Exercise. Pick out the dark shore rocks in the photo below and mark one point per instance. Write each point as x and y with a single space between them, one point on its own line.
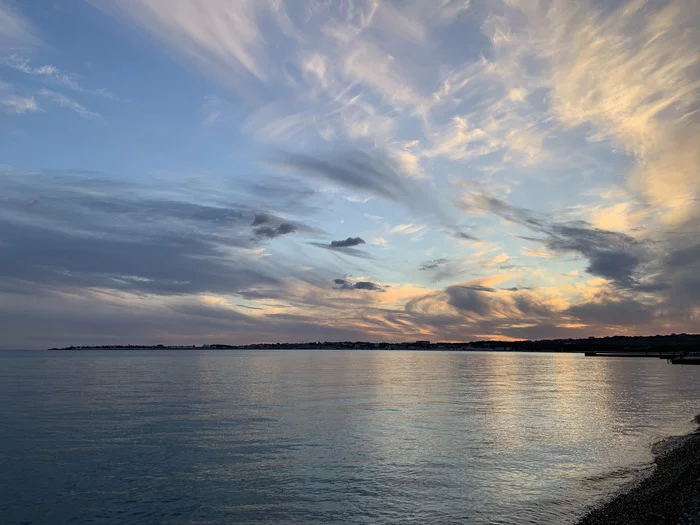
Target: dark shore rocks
671 495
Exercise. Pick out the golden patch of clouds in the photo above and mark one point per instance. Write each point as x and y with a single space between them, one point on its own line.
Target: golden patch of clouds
498 337
490 280
212 300
629 75
544 254
398 295
620 217
499 259
588 290
407 160
408 229
633 73
517 94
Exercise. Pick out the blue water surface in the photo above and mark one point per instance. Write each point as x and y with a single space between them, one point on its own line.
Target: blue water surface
220 437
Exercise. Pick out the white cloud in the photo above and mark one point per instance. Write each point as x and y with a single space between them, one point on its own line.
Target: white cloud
68 103
630 75
15 30
220 36
11 102
408 229
499 259
19 104
53 74
378 241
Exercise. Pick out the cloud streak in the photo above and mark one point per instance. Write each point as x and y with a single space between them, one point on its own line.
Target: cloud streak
344 284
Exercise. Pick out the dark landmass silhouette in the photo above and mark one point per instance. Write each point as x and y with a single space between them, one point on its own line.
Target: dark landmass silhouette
637 345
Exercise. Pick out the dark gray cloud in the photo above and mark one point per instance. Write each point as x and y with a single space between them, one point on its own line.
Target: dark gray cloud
471 299
612 255
266 226
346 246
676 273
346 243
344 284
283 194
433 264
683 256
612 312
465 236
90 230
270 232
442 268
531 308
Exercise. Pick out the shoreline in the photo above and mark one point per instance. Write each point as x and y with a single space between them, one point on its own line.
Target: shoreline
669 495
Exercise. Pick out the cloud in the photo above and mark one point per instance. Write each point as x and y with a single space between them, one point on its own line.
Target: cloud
627 75
344 284
266 226
612 312
350 241
15 30
433 264
472 299
498 259
476 310
68 103
11 102
345 246
541 101
17 104
543 254
408 229
441 269
465 236
369 173
53 74
270 232
221 38
131 242
612 255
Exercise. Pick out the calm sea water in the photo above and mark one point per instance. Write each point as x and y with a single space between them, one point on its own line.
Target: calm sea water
326 436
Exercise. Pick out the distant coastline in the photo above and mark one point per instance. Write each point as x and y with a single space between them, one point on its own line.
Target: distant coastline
623 344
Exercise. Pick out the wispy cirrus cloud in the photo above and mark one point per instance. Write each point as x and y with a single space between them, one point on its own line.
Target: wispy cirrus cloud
584 115
15 30
370 173
12 102
612 255
222 38
63 101
52 74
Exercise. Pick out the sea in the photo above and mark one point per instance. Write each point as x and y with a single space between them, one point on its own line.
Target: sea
328 436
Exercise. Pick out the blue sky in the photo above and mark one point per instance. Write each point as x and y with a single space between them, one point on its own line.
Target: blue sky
187 171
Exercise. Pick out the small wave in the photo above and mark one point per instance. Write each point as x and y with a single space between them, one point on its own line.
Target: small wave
667 445
616 474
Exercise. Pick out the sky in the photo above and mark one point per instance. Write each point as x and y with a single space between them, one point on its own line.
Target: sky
237 171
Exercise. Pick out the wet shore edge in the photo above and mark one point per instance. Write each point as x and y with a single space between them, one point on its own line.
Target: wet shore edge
670 495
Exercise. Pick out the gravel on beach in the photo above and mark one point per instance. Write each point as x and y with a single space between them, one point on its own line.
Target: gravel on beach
670 495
